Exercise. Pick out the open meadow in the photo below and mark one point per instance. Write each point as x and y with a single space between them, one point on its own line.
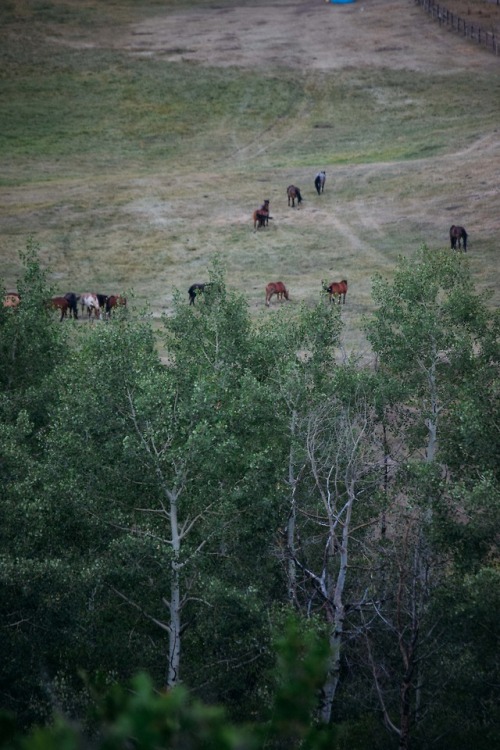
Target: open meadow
138 136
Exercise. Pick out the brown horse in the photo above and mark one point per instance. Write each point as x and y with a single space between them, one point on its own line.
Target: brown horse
60 303
114 300
293 194
336 288
457 236
261 216
277 288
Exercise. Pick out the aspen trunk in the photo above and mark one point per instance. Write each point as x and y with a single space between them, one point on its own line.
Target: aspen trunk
174 631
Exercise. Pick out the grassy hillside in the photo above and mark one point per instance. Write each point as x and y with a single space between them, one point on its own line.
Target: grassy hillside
133 152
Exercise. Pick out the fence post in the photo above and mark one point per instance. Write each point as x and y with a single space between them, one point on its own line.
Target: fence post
443 15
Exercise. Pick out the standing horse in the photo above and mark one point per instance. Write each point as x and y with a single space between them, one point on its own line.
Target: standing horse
113 301
196 289
336 288
261 216
91 302
277 288
319 182
457 236
60 303
72 304
292 194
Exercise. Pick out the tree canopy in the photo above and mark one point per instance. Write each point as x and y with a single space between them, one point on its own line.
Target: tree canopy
170 519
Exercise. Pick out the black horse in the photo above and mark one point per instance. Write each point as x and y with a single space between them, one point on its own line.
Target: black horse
72 299
293 194
196 289
319 182
458 235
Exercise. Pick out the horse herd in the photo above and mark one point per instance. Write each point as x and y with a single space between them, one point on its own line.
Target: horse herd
335 289
261 215
278 288
97 305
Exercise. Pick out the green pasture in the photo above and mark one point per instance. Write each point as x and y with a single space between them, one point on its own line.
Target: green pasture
131 172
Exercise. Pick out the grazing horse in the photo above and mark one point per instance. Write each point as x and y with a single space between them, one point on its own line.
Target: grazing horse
293 193
59 303
277 288
102 299
457 235
319 182
261 216
196 289
336 288
11 299
91 302
72 304
113 301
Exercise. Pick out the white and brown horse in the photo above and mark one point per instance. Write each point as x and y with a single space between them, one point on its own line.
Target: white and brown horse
91 302
11 299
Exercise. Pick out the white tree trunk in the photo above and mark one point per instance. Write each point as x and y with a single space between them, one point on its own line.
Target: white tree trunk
338 612
174 629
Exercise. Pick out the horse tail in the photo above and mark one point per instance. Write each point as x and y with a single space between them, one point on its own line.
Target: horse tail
299 195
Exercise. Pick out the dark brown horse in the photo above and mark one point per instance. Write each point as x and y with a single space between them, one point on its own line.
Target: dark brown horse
261 216
336 289
277 288
293 194
458 235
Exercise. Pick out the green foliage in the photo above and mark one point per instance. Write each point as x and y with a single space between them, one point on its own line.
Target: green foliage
426 332
137 714
425 310
30 346
243 424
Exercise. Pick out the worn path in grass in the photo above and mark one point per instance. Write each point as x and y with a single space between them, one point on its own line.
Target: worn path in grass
95 232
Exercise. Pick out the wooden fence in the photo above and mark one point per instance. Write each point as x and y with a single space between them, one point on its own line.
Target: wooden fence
444 16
